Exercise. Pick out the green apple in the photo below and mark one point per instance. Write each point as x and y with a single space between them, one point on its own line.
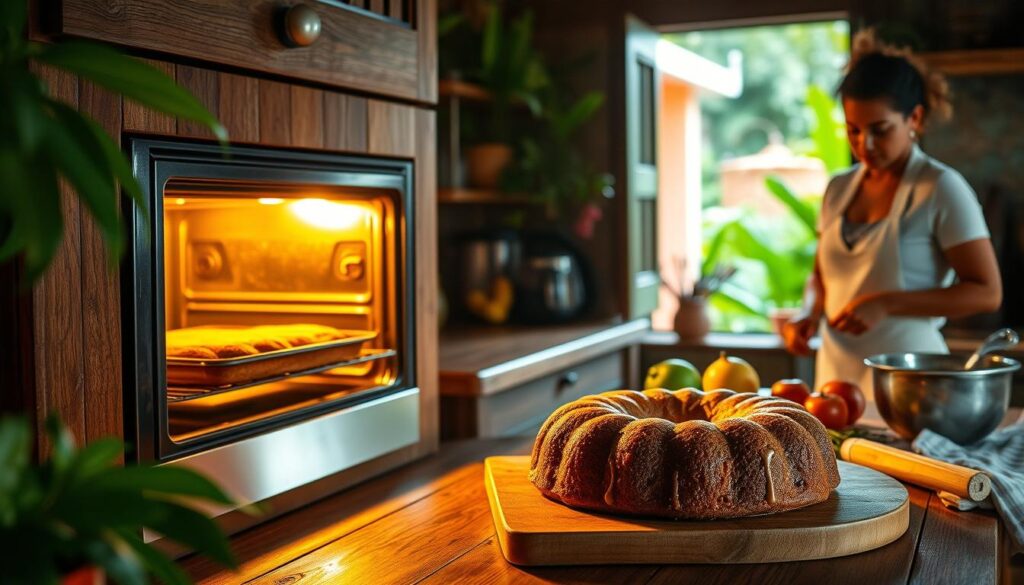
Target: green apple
672 374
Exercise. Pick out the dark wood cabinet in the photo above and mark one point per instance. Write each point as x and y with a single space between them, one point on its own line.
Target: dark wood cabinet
387 48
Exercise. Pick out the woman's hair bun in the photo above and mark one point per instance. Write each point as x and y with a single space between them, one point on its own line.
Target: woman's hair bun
935 89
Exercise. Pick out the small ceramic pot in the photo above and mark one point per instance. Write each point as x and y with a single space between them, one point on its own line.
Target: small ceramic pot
486 162
692 321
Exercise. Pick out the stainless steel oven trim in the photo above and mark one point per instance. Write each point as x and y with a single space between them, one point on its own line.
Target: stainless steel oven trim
155 161
257 468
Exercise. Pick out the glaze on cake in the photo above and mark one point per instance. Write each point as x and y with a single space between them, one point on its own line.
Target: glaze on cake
684 454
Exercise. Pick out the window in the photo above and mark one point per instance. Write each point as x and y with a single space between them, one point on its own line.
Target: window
729 139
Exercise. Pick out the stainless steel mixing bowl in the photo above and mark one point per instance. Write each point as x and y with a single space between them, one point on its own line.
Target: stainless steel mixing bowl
916 391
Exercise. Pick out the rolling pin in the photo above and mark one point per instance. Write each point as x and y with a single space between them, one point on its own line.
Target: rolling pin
918 469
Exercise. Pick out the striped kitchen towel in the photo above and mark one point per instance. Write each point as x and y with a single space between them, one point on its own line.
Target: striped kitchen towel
1001 455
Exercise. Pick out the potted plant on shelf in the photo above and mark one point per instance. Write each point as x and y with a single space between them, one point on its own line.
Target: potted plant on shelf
78 514
512 73
43 140
551 168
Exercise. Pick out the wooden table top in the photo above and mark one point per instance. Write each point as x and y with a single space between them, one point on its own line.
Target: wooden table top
430 522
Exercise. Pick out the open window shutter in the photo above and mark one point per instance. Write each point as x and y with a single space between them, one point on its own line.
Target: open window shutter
642 88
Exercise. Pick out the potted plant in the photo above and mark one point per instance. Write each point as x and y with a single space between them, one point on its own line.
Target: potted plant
512 73
43 140
551 168
79 513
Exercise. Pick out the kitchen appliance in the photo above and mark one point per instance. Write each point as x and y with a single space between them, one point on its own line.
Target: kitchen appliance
554 283
486 255
916 391
296 270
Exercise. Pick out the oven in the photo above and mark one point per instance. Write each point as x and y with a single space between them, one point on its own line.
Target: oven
268 315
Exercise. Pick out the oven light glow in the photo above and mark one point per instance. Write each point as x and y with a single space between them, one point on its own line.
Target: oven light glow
325 214
271 200
180 201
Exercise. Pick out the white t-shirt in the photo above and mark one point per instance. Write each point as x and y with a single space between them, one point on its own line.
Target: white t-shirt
942 211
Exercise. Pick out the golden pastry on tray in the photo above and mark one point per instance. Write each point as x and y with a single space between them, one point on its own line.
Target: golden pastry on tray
214 342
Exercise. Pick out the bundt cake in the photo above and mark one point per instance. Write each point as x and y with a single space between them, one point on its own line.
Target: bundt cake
684 454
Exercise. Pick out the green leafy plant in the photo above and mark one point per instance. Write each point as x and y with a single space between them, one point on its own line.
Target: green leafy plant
510 69
80 507
774 258
550 167
43 140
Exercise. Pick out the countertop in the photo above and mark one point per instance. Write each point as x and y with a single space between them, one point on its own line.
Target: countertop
430 522
485 360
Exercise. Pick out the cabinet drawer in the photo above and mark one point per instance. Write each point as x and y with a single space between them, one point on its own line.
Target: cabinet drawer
526 406
390 53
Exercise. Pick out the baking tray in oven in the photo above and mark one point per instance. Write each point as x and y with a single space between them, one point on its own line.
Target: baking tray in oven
270 364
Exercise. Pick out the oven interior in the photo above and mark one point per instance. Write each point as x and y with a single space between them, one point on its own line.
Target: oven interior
278 293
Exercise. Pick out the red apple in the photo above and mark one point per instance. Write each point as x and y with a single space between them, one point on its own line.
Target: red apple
791 389
829 409
851 395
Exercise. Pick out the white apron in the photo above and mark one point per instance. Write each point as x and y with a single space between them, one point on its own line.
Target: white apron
872 265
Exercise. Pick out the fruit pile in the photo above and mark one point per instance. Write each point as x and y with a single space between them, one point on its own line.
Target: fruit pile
837 405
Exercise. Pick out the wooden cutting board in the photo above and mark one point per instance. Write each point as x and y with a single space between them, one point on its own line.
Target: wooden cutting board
868 510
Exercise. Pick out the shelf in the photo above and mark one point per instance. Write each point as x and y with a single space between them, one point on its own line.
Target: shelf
186 393
976 61
463 90
481 197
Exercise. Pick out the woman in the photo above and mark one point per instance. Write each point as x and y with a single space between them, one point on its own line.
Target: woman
894 231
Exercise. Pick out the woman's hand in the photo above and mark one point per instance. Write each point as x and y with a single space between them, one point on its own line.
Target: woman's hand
862 313
797 332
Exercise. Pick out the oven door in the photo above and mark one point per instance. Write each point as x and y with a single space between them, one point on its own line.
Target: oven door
267 313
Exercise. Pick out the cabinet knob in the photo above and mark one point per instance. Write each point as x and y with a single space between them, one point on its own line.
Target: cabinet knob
568 379
301 25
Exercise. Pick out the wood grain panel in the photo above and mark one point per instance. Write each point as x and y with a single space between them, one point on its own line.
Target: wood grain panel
140 119
354 50
457 516
396 9
205 85
275 113
344 122
484 565
101 312
239 106
980 549
392 129
426 26
307 117
57 302
426 278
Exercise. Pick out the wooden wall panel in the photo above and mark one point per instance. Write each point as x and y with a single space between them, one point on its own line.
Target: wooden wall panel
307 117
344 122
392 129
275 113
427 277
57 305
239 106
139 119
356 51
101 313
205 85
426 26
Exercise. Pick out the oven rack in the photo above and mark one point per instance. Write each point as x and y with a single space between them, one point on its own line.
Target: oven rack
185 393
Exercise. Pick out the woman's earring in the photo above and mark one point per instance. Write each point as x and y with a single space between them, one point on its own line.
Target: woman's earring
913 135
